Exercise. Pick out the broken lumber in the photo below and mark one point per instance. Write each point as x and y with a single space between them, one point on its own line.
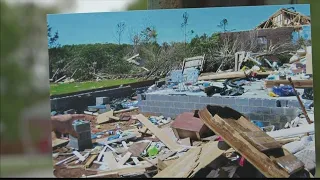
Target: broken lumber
158 133
231 135
305 83
183 167
106 142
292 132
58 142
125 158
110 160
105 117
126 110
90 161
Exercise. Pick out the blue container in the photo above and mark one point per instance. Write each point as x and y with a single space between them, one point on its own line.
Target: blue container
283 90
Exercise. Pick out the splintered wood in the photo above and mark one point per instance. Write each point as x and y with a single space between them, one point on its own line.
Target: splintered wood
193 161
158 133
239 134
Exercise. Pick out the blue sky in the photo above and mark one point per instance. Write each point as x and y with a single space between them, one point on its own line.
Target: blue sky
90 28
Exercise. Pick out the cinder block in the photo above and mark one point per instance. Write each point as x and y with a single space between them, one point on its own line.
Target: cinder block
199 106
237 108
174 111
154 109
276 125
228 101
255 102
102 100
82 127
257 117
178 105
205 100
242 101
142 103
284 119
293 103
263 110
146 109
277 111
151 103
269 103
271 118
291 111
216 100
174 98
194 99
184 99
168 104
164 110
148 97
189 106
160 103
139 97
249 109
284 103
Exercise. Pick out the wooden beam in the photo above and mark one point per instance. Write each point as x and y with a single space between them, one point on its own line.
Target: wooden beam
90 161
308 83
158 133
231 136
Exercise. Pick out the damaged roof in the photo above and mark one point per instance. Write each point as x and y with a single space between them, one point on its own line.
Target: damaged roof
285 18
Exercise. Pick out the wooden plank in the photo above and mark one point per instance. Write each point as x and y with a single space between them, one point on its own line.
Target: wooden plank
105 117
261 140
183 166
110 160
137 148
290 163
158 133
58 142
185 141
306 83
125 158
161 165
224 75
210 152
126 110
90 161
233 138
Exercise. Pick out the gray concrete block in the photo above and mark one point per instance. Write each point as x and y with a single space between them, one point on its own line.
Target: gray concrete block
174 98
228 101
205 100
154 109
198 106
179 105
174 111
242 101
277 111
194 99
189 106
255 102
263 110
142 103
293 103
184 99
256 117
284 119
271 118
102 100
168 104
146 109
82 127
139 97
291 111
164 110
269 103
216 100
284 103
160 104
249 109
151 103
237 108
148 97
155 97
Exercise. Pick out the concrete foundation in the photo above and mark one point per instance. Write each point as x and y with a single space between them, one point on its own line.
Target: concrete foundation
260 109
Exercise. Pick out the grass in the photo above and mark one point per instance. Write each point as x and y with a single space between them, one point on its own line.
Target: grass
56 89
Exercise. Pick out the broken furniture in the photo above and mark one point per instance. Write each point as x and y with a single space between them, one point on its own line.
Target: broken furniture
186 125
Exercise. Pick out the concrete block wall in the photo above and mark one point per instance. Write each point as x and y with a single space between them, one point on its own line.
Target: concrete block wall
259 109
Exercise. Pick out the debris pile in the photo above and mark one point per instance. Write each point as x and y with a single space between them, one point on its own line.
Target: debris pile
213 142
